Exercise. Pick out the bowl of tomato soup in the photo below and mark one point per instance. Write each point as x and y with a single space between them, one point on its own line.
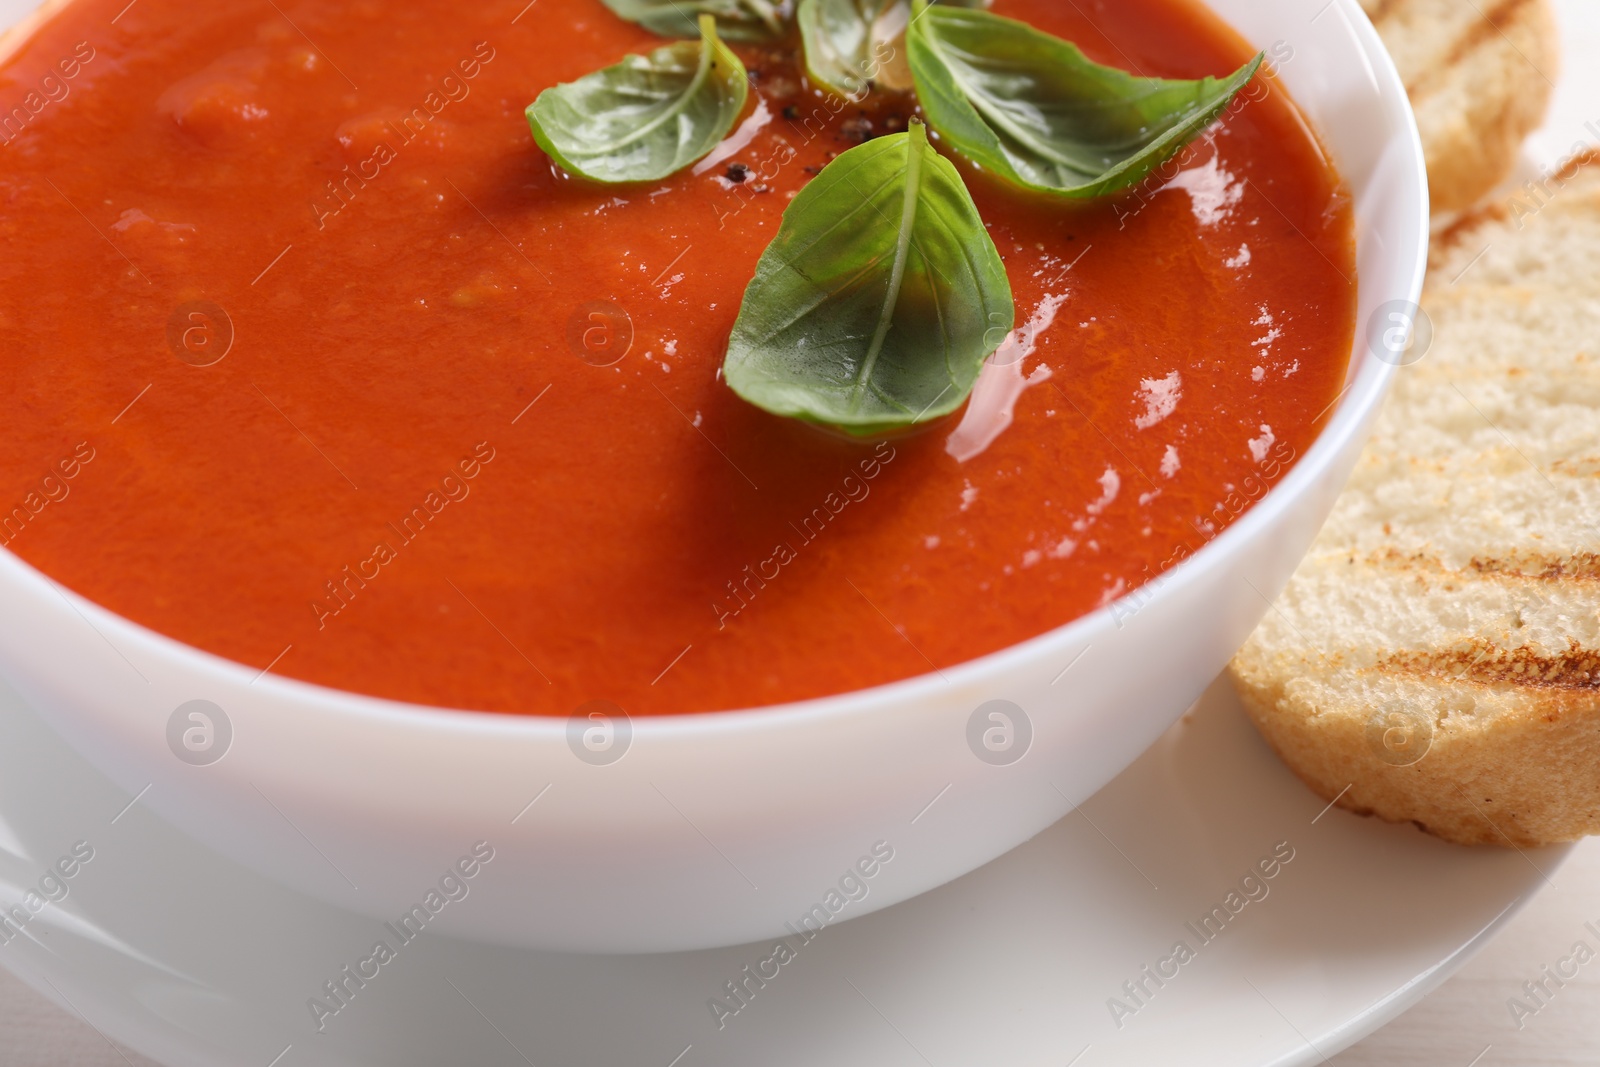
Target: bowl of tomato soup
379 505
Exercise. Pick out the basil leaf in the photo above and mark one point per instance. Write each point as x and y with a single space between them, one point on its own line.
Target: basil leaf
1033 109
737 20
645 117
850 44
878 300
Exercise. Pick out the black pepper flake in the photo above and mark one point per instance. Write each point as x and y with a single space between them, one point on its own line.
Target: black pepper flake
812 170
791 112
737 172
858 130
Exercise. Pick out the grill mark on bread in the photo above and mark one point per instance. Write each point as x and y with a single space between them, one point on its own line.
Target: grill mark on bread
1483 663
1382 10
1579 566
1571 167
1577 466
1499 211
1526 566
1568 467
1492 23
1489 25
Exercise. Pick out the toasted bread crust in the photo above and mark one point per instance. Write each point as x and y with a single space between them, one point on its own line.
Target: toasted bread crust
1436 658
1525 782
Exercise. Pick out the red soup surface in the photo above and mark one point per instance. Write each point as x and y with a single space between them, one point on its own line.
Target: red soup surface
313 360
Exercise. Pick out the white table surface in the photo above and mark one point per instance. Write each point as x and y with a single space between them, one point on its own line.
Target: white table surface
1467 1022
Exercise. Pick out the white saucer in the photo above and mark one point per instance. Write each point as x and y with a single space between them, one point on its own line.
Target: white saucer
192 960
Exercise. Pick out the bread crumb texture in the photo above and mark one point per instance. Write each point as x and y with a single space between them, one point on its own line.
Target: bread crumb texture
1436 658
1480 75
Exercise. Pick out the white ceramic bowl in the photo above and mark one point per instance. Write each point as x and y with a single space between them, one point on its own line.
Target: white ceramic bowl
718 829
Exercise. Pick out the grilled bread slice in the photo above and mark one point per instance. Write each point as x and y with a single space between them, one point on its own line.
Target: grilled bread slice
1480 74
1436 658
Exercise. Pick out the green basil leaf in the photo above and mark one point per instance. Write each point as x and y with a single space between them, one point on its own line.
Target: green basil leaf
877 302
1033 109
851 43
737 20
848 43
645 117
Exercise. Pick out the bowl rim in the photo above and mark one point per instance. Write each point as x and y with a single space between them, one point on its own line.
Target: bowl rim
1367 382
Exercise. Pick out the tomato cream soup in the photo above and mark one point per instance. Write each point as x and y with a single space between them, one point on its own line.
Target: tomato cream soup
313 360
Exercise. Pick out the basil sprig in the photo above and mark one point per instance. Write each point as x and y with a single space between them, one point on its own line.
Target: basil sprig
877 302
1031 108
853 44
737 20
645 117
882 293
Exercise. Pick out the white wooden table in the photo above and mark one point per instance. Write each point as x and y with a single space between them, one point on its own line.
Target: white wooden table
1469 1016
